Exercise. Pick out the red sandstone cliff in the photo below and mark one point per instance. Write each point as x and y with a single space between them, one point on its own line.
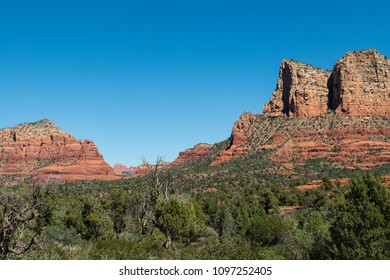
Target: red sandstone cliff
43 150
341 115
353 142
199 151
361 84
301 90
240 133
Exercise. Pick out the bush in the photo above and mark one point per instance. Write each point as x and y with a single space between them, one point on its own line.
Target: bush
267 230
59 234
360 225
180 220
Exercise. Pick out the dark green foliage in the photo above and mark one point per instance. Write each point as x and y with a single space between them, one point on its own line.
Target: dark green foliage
131 250
218 207
119 206
267 230
314 199
96 221
85 216
119 250
268 201
62 235
315 230
236 210
235 248
180 220
360 227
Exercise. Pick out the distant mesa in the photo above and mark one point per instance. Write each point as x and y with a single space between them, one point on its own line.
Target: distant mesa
42 150
122 170
141 170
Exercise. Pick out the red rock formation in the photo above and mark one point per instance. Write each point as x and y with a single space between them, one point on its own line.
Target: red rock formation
358 86
240 133
143 169
199 151
148 168
301 90
341 182
361 84
121 170
343 116
42 149
354 142
191 155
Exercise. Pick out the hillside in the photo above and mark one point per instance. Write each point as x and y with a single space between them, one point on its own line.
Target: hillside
341 115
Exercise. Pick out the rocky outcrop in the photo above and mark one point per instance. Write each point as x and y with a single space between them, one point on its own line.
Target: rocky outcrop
301 90
352 142
198 152
122 170
361 84
240 133
340 116
43 150
147 168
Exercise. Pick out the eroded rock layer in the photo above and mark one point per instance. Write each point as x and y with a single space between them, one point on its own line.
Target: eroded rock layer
301 90
44 151
352 142
199 151
242 130
359 85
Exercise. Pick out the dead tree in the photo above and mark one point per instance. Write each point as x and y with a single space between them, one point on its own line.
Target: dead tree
22 216
161 180
159 189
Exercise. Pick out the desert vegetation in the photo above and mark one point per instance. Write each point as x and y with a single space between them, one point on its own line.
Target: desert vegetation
232 211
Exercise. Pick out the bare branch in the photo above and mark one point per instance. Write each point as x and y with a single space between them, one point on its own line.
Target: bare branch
19 226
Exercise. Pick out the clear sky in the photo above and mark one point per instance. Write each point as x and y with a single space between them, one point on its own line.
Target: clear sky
147 78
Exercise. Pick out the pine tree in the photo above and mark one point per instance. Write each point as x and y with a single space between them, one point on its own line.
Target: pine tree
360 227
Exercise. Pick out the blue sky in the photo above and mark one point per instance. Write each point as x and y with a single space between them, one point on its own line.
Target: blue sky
149 78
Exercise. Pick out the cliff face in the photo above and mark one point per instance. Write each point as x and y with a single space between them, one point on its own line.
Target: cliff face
301 90
352 142
240 133
43 150
361 84
341 115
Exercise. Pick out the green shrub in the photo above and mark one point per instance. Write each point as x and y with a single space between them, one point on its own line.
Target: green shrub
180 220
266 230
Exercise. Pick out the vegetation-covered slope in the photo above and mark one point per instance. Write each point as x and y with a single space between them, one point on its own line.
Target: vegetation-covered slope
235 210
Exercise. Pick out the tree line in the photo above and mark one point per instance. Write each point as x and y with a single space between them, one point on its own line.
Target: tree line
160 221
